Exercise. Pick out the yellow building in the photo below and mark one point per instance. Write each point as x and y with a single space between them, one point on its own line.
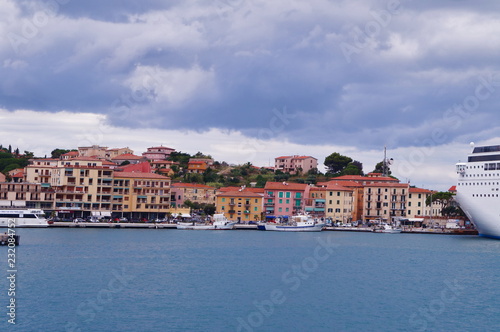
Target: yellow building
382 201
417 207
241 206
339 203
31 195
145 195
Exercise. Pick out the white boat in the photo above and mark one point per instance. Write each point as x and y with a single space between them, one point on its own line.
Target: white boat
478 189
386 228
22 217
219 222
298 223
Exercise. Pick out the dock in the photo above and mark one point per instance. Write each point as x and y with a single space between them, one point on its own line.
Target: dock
252 227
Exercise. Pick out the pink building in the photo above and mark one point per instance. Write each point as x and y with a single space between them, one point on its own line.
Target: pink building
292 164
285 199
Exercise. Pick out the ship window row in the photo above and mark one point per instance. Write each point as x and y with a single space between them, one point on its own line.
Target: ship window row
479 184
479 175
484 195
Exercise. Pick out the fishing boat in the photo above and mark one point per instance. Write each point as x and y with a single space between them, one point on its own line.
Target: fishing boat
220 222
22 217
386 228
298 223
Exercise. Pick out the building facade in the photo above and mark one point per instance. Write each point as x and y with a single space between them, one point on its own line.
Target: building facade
241 206
285 199
295 164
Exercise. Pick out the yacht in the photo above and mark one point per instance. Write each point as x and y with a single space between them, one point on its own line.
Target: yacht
478 189
299 223
22 217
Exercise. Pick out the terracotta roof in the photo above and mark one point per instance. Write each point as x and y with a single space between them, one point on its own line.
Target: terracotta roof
143 167
247 189
453 188
191 185
382 184
337 187
140 175
71 153
364 178
240 194
18 175
285 186
420 190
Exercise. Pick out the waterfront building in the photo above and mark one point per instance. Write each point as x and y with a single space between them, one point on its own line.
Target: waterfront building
382 201
157 153
285 199
30 195
295 164
241 206
339 202
140 195
417 206
40 170
194 192
315 202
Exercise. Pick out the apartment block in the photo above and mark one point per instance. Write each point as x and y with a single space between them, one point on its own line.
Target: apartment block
339 203
294 164
285 199
241 206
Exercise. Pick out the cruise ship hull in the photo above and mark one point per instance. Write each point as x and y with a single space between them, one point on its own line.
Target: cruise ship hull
484 215
478 189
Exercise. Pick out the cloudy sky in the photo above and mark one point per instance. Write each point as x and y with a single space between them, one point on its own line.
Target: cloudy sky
248 80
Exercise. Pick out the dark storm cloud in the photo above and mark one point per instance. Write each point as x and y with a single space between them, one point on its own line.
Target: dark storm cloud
359 72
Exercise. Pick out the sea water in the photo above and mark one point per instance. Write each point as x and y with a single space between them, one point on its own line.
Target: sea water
173 280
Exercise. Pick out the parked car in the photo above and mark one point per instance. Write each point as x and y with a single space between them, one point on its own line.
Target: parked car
78 220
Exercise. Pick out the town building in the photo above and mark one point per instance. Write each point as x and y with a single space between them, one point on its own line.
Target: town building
285 199
240 206
383 201
140 195
315 202
157 153
295 164
193 192
131 158
339 203
30 195
197 167
102 152
417 207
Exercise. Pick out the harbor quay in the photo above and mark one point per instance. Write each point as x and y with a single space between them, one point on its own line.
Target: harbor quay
252 227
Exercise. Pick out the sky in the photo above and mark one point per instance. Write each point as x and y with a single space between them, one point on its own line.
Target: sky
251 80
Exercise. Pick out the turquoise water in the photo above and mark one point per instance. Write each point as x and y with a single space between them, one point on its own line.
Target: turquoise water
171 280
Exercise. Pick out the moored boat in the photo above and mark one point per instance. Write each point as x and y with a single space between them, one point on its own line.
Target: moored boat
22 217
220 222
298 223
386 228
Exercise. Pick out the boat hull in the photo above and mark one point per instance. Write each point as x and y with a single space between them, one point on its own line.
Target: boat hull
485 215
23 222
291 228
207 227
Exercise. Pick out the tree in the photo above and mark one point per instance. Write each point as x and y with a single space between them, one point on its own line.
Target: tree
336 162
352 169
443 198
379 168
209 209
56 153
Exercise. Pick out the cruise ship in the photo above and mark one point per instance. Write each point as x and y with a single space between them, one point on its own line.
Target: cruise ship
478 189
22 218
